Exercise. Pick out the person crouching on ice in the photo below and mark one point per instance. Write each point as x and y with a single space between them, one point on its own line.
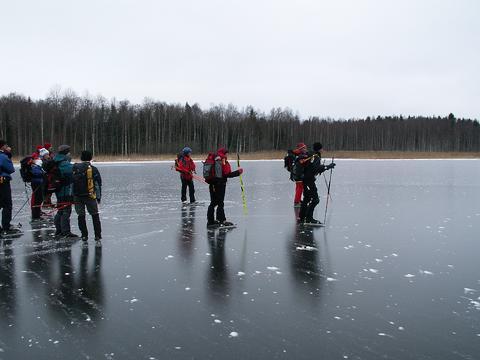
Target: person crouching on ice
217 186
313 166
186 167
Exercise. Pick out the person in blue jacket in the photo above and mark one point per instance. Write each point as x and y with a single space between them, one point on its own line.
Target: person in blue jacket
38 175
6 171
64 193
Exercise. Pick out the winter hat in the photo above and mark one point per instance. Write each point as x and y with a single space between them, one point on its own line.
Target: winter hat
301 146
86 155
186 150
64 149
43 152
317 146
38 162
222 151
47 146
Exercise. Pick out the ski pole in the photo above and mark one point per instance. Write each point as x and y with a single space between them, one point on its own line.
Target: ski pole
196 177
26 201
244 200
328 193
326 184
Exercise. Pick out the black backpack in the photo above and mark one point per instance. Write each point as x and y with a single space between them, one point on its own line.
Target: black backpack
79 180
288 161
26 169
298 170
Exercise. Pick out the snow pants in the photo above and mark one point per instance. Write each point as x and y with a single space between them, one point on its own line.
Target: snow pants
298 192
6 202
310 200
82 202
191 190
217 196
37 199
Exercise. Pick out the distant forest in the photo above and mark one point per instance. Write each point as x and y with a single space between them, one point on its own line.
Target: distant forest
122 128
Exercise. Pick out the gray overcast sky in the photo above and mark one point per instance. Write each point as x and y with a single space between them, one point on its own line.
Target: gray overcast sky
337 58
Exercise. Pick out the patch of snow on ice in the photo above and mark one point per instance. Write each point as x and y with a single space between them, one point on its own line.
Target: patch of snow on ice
394 254
379 260
217 321
307 248
273 268
233 334
331 279
468 290
409 275
133 300
426 272
240 273
187 289
375 271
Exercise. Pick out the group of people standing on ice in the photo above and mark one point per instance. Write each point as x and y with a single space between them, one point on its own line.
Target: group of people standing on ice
49 173
304 167
216 171
80 185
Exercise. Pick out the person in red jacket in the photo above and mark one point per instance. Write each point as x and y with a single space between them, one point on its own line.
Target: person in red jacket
300 149
217 186
186 167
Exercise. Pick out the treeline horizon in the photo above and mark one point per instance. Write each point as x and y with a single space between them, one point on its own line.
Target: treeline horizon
120 128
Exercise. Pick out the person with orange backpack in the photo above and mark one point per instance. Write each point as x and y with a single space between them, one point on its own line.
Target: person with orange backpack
186 167
216 171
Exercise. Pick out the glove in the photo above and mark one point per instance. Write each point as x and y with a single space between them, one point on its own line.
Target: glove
330 166
240 171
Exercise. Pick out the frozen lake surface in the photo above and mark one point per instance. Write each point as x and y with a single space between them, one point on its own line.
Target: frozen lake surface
394 275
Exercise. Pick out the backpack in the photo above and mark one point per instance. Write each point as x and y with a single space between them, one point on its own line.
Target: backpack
26 169
80 180
209 167
54 177
298 170
179 161
288 162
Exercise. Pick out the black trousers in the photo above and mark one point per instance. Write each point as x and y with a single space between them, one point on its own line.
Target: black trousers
37 199
6 203
191 190
310 200
82 202
217 196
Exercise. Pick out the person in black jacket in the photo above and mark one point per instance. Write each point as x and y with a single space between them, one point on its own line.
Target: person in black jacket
87 191
217 187
312 166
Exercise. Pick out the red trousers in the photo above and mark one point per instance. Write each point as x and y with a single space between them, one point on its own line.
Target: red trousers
298 192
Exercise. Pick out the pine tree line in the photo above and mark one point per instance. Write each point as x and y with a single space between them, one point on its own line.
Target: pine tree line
122 128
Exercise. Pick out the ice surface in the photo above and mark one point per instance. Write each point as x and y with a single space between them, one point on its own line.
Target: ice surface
163 287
